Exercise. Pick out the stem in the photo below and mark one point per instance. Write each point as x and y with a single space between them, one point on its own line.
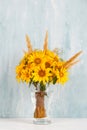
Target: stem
40 111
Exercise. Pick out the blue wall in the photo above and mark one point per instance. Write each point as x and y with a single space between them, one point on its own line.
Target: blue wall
66 22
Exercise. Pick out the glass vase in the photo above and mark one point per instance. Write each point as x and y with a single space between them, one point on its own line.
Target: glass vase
41 103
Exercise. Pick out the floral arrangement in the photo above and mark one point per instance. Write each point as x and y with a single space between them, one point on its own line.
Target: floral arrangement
42 67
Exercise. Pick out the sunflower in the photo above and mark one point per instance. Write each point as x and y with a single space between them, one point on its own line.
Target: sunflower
58 65
51 55
41 74
23 72
47 62
26 75
36 58
63 76
25 59
19 69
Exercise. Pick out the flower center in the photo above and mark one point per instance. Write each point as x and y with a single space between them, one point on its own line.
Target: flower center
55 58
47 64
37 60
42 73
27 75
56 67
61 74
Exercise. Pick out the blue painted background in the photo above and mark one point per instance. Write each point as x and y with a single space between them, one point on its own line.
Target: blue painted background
66 22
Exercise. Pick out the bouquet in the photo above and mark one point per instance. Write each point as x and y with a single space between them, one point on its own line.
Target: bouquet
43 67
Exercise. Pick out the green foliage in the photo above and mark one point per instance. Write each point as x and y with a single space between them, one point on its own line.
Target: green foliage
42 86
54 79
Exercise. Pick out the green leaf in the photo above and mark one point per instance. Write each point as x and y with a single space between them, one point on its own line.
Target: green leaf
42 86
30 83
54 80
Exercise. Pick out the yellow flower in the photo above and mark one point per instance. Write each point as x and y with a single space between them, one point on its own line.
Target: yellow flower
58 65
36 58
18 72
25 59
50 58
41 74
23 72
26 76
63 76
47 62
51 55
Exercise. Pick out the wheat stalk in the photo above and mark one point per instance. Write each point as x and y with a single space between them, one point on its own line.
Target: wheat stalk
45 47
29 46
71 62
70 65
24 51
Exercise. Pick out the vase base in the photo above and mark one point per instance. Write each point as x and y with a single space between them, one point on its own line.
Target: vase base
41 121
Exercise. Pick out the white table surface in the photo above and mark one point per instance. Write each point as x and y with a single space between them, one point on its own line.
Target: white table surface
57 124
